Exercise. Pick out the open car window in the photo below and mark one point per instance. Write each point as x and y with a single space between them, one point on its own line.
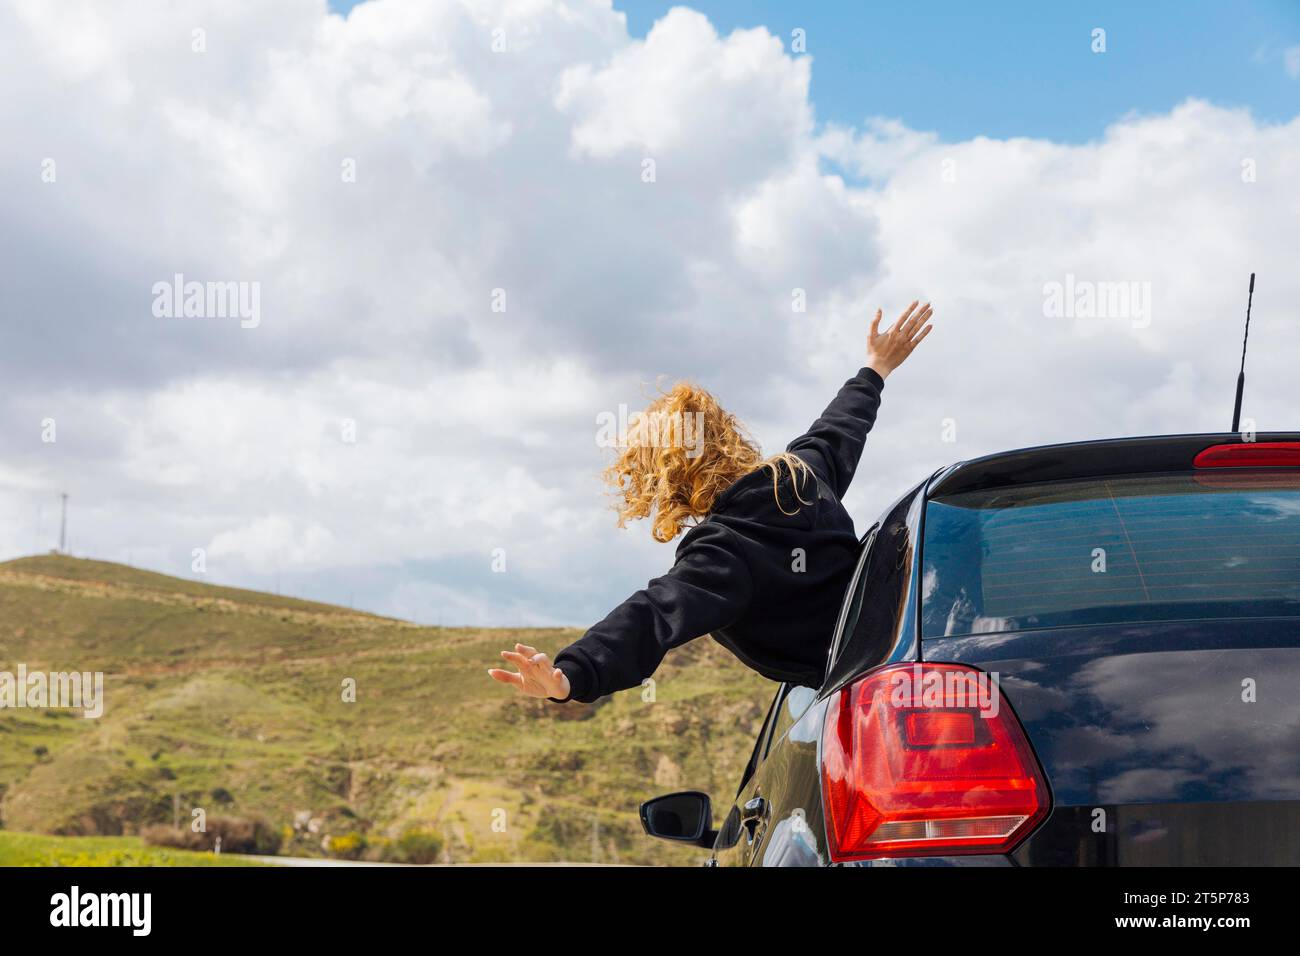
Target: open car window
761 742
792 705
853 598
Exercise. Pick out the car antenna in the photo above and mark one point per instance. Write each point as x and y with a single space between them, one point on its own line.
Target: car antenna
1241 376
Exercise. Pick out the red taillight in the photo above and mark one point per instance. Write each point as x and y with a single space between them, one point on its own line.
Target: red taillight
937 728
1264 454
927 760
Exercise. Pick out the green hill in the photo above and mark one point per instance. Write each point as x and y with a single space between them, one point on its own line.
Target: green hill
232 701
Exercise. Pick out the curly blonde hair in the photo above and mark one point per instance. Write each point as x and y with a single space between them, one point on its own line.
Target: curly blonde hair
680 454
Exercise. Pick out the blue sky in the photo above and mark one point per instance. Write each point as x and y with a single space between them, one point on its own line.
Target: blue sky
1027 69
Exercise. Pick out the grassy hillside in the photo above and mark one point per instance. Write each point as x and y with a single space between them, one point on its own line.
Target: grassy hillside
26 849
232 701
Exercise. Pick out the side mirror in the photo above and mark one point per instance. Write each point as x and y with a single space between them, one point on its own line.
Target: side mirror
686 817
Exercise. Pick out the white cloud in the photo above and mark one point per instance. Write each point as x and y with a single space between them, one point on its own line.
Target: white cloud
267 543
670 97
521 170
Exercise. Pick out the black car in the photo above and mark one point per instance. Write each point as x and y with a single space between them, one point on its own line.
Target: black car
1074 655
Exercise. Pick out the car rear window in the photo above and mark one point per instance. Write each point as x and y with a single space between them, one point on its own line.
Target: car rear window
1143 548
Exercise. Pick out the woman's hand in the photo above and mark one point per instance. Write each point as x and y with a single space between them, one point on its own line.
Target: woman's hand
537 676
888 350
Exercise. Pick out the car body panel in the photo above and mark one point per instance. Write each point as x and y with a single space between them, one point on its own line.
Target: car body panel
1164 744
1088 459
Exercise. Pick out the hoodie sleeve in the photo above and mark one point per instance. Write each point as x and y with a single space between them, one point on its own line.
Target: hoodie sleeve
707 588
833 445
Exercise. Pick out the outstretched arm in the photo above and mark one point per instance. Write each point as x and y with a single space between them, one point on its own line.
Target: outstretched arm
833 445
707 588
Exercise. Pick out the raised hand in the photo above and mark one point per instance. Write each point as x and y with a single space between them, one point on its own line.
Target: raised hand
537 676
888 350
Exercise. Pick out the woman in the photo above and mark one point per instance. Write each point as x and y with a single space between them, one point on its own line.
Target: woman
766 564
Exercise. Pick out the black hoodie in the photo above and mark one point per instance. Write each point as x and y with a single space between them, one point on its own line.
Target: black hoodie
767 585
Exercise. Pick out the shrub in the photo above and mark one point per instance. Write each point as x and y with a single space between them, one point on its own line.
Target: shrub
414 846
349 846
238 835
